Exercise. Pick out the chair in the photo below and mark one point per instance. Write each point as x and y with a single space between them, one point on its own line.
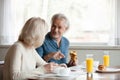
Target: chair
1 71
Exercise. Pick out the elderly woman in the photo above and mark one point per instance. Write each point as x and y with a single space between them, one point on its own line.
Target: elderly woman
55 46
22 61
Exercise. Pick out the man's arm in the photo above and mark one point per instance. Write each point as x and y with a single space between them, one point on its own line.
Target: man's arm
40 51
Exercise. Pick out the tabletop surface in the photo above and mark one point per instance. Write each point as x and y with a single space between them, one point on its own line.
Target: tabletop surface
96 76
82 75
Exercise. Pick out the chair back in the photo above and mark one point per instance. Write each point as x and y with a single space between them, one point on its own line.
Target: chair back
1 71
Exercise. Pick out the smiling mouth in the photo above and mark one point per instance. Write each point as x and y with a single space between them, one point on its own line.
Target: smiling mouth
55 33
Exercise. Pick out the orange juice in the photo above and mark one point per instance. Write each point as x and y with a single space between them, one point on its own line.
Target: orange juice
106 60
89 65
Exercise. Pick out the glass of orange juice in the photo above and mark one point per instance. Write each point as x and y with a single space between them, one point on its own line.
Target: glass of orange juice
89 63
106 59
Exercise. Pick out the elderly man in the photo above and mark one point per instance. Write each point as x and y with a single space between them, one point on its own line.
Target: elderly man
55 46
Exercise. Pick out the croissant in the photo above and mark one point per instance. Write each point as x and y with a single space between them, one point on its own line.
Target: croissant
73 60
101 67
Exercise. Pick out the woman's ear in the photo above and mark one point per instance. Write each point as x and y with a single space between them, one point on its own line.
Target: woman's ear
67 28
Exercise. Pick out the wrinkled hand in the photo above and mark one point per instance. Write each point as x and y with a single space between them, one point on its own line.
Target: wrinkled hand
58 55
54 55
50 67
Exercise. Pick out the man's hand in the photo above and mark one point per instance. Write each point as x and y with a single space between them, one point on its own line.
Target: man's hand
54 55
58 55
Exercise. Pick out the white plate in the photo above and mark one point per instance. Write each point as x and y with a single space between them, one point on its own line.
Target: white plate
109 70
62 75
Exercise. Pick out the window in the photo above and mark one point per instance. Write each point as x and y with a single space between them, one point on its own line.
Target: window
91 21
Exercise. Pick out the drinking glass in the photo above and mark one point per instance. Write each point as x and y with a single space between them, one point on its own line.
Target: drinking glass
89 63
106 58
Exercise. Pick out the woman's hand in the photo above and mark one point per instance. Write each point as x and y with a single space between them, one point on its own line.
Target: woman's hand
63 65
50 67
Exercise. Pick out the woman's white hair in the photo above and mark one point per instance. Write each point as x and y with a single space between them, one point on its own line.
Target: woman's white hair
33 32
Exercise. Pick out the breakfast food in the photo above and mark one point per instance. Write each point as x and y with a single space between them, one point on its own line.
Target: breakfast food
73 60
101 67
73 55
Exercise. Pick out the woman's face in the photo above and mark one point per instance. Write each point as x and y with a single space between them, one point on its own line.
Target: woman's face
58 28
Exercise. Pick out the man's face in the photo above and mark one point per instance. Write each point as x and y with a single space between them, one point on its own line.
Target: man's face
58 28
